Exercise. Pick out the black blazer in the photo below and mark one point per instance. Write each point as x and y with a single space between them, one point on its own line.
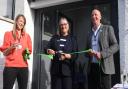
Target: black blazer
59 67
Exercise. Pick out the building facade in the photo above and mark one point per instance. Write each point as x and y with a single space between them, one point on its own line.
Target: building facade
42 20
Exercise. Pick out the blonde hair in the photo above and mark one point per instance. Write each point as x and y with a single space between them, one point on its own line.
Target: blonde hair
15 25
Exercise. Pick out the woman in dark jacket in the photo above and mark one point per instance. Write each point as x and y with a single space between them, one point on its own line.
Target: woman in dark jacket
61 46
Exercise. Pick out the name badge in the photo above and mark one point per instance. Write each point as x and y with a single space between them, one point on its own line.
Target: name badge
19 46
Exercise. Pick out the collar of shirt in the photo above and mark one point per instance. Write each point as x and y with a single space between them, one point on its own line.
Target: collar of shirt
95 31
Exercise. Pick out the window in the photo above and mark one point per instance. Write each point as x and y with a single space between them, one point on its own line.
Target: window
7 8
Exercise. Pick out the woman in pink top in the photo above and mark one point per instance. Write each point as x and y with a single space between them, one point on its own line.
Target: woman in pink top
16 44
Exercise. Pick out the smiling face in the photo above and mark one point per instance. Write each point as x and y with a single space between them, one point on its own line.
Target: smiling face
64 26
96 17
20 22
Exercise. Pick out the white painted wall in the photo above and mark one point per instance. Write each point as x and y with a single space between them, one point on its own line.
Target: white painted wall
3 4
29 14
19 7
5 25
123 37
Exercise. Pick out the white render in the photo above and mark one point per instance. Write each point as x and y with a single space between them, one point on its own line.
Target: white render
29 14
5 25
123 38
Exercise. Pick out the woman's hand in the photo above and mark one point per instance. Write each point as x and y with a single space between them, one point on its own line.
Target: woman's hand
15 45
65 56
68 56
50 51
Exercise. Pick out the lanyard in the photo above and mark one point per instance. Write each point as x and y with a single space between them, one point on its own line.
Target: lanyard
95 35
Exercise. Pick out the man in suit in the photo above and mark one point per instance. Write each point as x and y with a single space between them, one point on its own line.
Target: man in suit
102 41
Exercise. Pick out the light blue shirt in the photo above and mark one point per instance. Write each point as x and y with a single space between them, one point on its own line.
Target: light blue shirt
95 43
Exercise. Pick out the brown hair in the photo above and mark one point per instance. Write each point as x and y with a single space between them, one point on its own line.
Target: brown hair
63 18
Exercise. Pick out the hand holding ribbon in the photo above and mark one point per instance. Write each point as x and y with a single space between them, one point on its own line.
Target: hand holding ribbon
67 55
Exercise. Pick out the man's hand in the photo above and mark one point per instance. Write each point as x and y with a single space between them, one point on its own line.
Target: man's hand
95 53
98 55
91 52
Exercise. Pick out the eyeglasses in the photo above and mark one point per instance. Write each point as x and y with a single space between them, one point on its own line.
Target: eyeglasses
63 24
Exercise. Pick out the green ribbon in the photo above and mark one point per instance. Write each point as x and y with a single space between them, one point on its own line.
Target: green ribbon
46 55
85 51
51 56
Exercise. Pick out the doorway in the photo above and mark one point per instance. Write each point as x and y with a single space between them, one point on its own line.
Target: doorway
46 26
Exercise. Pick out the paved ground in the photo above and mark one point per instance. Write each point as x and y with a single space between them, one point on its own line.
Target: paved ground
1 72
1 79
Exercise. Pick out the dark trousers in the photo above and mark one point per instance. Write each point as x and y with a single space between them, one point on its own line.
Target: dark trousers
61 82
97 79
80 81
10 74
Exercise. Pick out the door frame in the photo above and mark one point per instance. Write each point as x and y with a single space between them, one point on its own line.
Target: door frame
38 26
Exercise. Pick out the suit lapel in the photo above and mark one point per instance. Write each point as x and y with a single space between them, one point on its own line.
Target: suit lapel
101 33
100 37
90 37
